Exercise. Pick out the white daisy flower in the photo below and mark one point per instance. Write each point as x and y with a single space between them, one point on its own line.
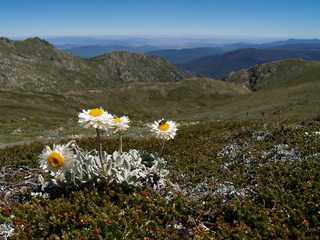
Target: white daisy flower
56 160
164 130
120 124
96 118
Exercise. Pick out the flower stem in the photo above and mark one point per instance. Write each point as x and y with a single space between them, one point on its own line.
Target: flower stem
99 147
120 139
162 147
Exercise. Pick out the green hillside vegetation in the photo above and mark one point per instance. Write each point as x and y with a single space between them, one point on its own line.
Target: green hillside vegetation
143 100
275 74
36 65
157 100
294 102
35 114
295 96
22 104
27 116
286 89
125 67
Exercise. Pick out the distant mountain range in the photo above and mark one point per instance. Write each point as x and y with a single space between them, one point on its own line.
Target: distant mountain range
181 56
96 50
217 60
176 56
192 49
219 65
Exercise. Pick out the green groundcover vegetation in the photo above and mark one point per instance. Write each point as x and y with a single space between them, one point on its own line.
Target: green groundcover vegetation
228 180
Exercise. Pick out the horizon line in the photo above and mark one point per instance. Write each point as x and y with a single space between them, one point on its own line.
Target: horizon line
190 36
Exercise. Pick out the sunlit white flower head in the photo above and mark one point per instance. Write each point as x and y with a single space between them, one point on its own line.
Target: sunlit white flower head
56 160
120 124
164 130
96 118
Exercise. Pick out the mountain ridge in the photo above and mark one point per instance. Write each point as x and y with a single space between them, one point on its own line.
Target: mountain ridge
96 50
276 74
36 64
122 64
218 66
175 54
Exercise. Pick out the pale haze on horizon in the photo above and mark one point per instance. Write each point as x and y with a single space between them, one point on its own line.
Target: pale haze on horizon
273 19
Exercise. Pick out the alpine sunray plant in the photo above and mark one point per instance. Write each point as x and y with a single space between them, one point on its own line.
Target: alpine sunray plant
98 119
72 168
164 130
57 160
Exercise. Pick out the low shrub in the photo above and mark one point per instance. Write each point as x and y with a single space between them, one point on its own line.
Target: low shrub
227 180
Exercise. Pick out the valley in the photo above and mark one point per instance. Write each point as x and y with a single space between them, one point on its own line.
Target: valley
43 89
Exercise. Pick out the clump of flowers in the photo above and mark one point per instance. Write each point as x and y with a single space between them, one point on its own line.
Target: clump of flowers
72 167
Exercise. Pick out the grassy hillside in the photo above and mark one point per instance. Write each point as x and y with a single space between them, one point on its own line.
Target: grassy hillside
275 74
156 100
38 114
36 65
286 89
29 115
126 67
137 100
294 102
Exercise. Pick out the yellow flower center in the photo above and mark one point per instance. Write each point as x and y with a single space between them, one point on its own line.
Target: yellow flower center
55 160
96 112
164 126
117 120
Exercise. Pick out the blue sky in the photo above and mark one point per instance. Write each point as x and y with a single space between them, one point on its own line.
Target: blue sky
216 18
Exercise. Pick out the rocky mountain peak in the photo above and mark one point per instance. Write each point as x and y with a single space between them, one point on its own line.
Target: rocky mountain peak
39 42
5 42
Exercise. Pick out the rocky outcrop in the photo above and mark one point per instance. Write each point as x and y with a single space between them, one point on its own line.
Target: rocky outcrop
252 77
274 74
